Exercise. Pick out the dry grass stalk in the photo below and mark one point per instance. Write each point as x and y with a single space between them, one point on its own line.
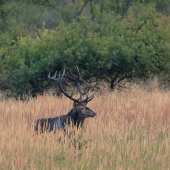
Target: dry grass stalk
131 131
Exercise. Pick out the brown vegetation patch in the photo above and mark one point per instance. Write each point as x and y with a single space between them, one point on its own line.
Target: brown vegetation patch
131 131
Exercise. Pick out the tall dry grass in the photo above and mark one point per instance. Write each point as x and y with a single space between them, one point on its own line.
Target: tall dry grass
131 131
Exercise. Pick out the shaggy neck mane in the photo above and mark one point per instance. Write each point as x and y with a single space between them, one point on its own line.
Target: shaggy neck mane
75 118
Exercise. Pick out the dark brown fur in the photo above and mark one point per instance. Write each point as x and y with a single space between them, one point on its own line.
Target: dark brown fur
76 116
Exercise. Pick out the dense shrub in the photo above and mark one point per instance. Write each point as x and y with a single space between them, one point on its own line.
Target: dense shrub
115 50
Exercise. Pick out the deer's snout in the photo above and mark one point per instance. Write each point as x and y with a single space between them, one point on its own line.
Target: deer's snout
93 114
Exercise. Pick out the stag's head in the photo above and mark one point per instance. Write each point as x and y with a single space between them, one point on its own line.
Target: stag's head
84 112
80 103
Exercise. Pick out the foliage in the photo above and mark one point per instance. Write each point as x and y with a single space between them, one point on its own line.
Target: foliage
110 49
139 48
32 13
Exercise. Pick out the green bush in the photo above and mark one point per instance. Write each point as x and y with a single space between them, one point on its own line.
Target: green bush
115 50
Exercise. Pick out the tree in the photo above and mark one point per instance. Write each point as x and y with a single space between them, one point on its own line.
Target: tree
114 50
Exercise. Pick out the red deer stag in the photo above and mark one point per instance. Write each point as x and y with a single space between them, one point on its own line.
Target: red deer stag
76 115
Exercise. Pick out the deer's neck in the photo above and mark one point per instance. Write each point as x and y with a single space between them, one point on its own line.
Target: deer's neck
73 116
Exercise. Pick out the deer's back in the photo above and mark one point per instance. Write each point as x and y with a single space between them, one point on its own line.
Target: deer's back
50 123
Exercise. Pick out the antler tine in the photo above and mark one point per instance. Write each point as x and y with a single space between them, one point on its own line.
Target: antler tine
90 98
70 75
63 74
78 73
53 76
87 99
75 79
59 75
87 90
77 84
78 77
49 75
58 81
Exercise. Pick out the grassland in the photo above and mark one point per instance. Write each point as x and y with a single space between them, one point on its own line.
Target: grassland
131 131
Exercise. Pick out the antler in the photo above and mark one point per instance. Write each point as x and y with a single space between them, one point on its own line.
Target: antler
58 81
75 79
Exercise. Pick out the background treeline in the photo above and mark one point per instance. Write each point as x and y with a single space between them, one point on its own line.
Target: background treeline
110 41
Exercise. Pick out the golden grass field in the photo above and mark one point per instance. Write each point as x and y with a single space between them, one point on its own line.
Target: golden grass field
131 131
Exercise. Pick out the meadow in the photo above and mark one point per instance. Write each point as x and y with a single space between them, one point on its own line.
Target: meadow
131 131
